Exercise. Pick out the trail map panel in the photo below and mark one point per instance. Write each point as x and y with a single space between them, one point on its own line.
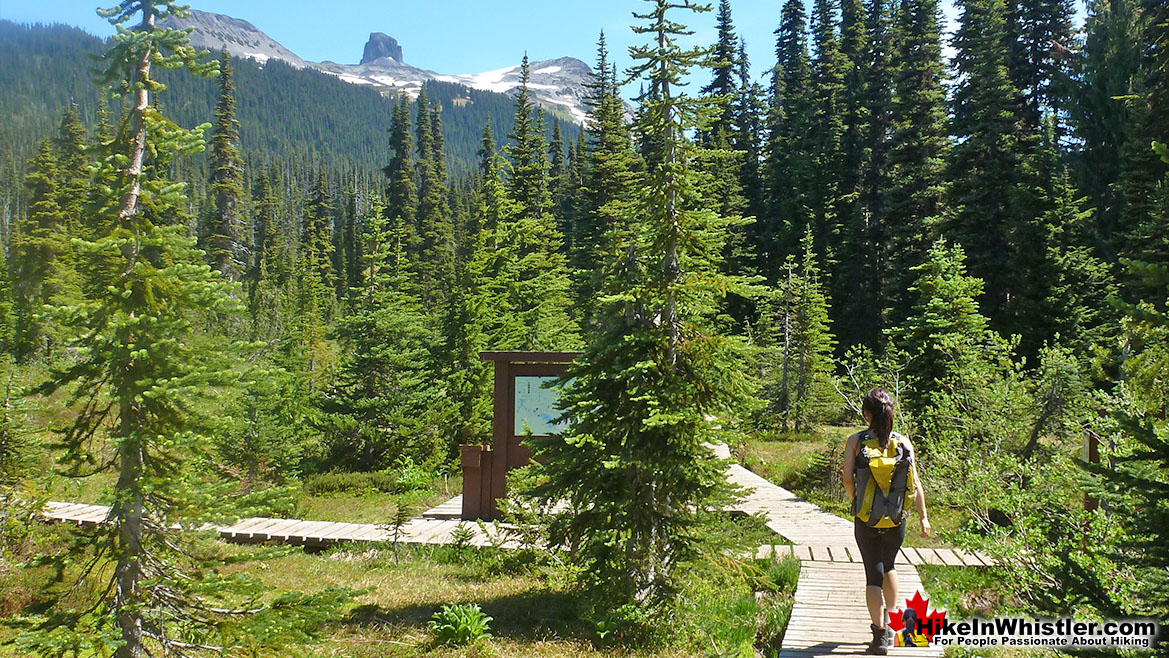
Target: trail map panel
536 406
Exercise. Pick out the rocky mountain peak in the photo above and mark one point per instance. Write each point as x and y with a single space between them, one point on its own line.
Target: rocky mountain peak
241 38
381 45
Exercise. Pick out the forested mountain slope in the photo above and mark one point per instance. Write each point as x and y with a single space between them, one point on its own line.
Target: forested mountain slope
283 111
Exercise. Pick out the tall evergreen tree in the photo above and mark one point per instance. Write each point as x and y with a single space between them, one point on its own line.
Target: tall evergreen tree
42 268
316 266
797 357
826 198
1061 287
387 401
70 148
610 173
855 249
1107 74
401 189
528 183
538 297
639 480
722 85
789 150
1035 31
945 335
227 231
748 113
913 200
433 259
984 161
151 591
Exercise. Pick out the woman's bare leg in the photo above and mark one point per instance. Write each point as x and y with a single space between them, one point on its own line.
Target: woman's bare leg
873 601
890 590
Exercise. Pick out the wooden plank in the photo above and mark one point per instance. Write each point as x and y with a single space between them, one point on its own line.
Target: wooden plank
260 530
820 553
333 531
280 530
244 525
968 559
929 557
948 557
985 559
305 532
909 555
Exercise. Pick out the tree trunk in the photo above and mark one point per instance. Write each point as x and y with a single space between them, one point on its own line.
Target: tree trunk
128 511
128 517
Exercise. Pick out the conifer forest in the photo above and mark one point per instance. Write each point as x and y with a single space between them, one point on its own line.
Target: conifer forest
231 291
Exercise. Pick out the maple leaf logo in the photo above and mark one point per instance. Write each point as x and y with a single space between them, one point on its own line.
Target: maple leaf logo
917 608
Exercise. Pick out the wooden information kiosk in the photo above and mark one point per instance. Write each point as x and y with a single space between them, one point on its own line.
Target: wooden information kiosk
521 403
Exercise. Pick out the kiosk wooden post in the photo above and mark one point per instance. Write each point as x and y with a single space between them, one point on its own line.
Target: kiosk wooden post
485 469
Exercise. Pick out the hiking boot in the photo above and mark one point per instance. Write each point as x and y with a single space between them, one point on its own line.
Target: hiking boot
881 641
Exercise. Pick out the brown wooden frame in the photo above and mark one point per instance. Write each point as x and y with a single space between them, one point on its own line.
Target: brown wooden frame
484 485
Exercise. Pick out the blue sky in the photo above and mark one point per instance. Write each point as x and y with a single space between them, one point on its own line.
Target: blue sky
447 36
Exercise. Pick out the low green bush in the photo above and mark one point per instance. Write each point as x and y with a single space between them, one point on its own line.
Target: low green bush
459 624
358 483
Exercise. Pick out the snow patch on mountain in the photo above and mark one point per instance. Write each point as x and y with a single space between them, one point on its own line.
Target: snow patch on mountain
555 83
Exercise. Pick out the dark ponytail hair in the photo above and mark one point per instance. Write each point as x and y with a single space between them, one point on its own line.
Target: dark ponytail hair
879 404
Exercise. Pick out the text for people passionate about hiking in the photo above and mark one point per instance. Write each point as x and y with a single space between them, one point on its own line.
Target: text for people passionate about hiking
937 628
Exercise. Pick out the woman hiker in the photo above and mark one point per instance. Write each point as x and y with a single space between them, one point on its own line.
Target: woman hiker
879 470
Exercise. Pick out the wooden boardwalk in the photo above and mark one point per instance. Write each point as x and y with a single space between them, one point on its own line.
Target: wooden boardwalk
313 534
948 557
829 617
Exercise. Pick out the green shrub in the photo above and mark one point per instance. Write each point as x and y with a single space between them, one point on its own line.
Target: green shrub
358 483
408 475
459 624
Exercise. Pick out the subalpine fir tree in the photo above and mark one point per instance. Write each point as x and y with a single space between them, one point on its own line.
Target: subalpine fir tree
270 295
349 253
797 358
789 150
913 200
494 266
611 169
319 278
528 183
559 185
433 260
722 85
855 250
227 243
401 189
984 160
150 590
945 334
1107 73
42 264
1062 287
70 147
1036 30
825 196
539 286
467 317
387 401
748 112
655 383
721 162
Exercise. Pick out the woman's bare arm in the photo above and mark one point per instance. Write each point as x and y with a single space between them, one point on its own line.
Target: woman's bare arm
849 468
919 496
